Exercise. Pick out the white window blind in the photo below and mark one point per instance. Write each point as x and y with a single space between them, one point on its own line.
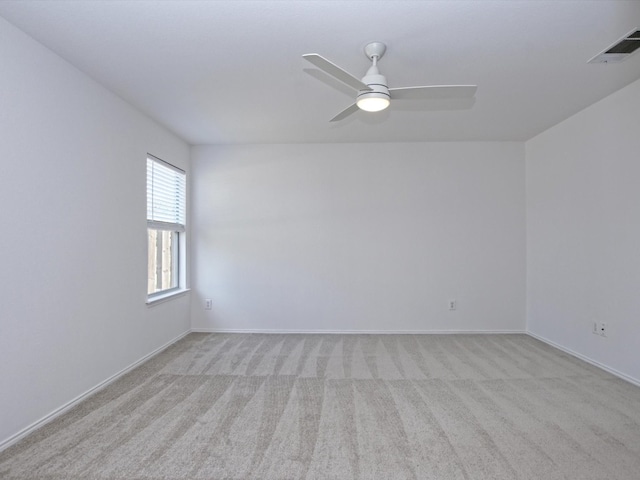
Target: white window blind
166 196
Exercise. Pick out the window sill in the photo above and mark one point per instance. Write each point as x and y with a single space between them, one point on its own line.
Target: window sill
157 299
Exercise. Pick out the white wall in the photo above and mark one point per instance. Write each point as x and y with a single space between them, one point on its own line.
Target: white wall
583 232
73 244
368 237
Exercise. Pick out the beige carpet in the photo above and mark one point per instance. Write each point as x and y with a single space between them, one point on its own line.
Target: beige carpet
243 406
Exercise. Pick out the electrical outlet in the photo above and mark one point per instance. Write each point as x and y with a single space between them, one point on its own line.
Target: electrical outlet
603 329
208 304
453 304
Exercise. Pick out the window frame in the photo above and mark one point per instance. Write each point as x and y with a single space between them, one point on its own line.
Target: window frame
178 254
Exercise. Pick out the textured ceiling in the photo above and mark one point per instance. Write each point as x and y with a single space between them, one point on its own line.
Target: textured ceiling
232 71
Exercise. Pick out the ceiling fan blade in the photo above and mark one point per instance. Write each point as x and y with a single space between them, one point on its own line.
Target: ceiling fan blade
335 71
433 92
345 113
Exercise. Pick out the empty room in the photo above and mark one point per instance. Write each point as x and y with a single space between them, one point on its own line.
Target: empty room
320 239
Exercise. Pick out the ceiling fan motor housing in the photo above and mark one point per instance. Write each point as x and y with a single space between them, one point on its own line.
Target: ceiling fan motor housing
378 98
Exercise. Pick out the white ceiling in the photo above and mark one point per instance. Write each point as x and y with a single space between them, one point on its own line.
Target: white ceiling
232 71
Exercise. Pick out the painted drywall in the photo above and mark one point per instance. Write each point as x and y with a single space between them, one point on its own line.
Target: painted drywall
359 237
73 246
583 232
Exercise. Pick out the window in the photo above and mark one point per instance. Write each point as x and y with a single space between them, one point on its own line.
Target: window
166 219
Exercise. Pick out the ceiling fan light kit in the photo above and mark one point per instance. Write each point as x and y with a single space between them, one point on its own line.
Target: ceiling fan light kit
373 93
372 102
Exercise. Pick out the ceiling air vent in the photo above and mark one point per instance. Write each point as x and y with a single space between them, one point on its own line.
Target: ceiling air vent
620 50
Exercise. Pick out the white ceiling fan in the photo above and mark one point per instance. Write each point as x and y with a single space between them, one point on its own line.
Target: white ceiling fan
373 93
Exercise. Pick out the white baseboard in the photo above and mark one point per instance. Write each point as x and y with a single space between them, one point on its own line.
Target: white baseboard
355 332
67 406
593 362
